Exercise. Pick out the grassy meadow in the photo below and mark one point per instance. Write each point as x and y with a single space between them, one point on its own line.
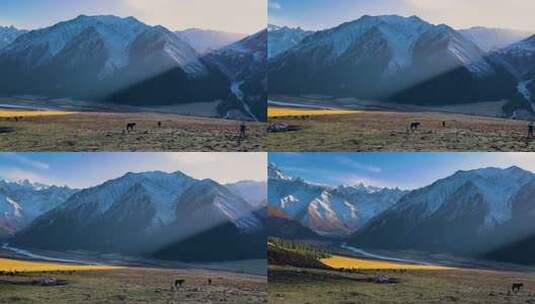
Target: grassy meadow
389 131
299 274
103 284
105 131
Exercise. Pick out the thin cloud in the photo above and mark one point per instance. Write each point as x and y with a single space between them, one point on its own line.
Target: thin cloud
16 174
23 160
274 5
357 165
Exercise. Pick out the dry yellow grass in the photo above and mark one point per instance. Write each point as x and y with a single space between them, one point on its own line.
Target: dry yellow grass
287 112
338 262
29 266
27 113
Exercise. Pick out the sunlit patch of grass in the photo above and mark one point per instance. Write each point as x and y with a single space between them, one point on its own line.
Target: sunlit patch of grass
29 113
338 262
30 266
286 112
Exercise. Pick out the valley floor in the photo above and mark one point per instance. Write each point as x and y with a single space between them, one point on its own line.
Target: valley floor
294 285
384 130
105 131
101 284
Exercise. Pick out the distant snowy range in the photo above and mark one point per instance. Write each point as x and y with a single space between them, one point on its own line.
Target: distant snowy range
124 61
166 216
406 60
483 213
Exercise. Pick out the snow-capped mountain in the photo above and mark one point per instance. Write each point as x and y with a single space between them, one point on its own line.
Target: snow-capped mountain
463 213
518 241
245 63
110 59
327 211
493 39
401 59
204 41
112 39
282 38
214 224
115 43
8 34
140 213
22 202
520 57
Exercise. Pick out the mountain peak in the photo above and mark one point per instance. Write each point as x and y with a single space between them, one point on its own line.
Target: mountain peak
496 172
393 19
275 173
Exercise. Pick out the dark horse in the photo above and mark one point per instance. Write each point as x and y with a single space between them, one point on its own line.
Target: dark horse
178 283
415 126
130 126
517 286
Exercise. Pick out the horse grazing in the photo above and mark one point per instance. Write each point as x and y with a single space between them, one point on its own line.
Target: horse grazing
415 125
516 286
130 126
209 281
178 283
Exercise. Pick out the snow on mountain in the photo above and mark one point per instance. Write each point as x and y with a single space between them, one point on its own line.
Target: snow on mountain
273 27
400 34
8 35
327 211
214 204
371 200
275 173
117 34
283 38
204 41
251 49
98 57
149 208
466 213
401 59
162 189
114 34
22 201
493 39
497 187
519 57
245 63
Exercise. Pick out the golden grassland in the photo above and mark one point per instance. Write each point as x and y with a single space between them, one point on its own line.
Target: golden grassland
29 266
31 113
338 262
287 112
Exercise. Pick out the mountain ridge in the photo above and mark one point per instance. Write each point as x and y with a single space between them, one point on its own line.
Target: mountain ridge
154 209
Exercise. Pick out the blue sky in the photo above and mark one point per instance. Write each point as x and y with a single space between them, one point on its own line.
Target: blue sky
403 170
244 16
320 14
89 169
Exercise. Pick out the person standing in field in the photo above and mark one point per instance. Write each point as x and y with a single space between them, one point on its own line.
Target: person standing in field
243 129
